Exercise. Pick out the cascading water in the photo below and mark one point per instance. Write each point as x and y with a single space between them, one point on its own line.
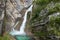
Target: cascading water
24 21
22 32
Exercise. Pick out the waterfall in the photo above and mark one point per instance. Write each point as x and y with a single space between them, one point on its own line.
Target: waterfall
25 19
22 32
23 23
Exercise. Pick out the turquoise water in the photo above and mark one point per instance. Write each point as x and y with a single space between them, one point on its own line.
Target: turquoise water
22 37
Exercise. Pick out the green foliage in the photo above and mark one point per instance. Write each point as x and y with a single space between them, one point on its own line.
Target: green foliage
6 37
41 2
52 27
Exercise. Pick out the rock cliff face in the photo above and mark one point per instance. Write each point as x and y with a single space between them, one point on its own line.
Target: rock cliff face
13 9
2 7
11 12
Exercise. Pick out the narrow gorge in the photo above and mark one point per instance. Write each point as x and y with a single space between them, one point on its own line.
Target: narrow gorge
29 19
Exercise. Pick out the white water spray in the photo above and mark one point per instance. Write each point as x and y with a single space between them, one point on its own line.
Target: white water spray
22 32
24 21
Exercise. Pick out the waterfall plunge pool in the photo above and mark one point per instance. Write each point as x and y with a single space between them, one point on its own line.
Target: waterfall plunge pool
22 37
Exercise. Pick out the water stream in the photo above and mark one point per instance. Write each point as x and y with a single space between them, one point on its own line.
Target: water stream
22 28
